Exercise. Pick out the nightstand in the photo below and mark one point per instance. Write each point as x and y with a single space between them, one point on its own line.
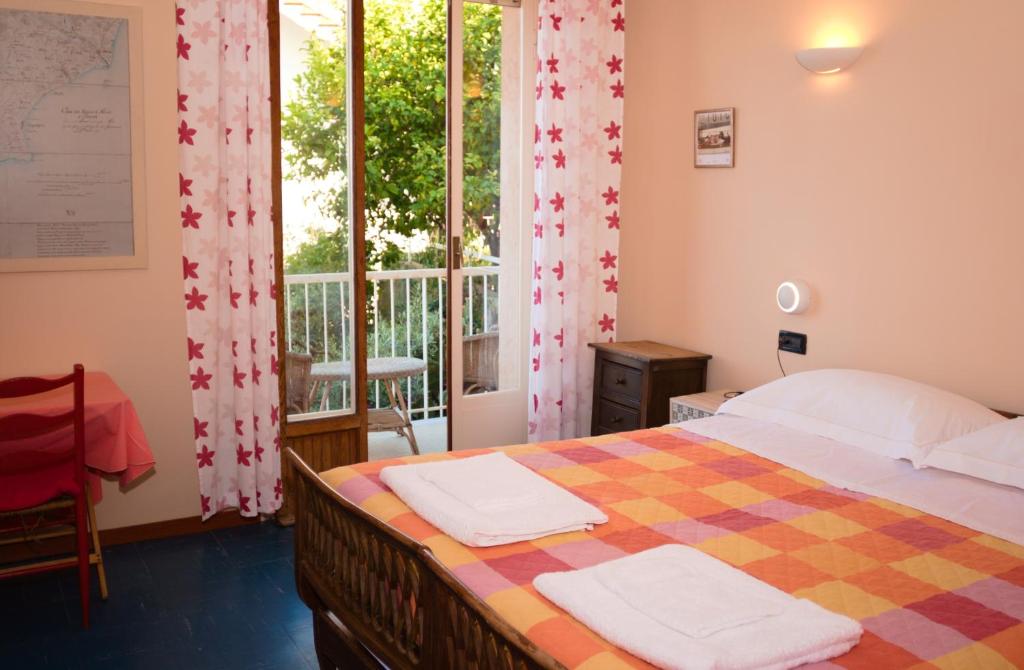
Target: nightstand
633 382
695 405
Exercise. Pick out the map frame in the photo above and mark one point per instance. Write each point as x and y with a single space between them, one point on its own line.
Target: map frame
133 15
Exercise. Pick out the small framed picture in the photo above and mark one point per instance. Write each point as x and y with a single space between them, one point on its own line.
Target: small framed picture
714 137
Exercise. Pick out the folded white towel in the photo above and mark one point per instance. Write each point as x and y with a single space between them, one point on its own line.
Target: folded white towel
516 487
679 608
712 601
483 501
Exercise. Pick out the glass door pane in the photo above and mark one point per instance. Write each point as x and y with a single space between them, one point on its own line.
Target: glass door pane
406 260
317 240
483 216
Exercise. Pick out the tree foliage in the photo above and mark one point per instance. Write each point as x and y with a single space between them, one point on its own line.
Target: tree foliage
405 133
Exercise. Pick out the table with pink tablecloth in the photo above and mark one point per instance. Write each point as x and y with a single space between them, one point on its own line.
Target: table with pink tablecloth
115 443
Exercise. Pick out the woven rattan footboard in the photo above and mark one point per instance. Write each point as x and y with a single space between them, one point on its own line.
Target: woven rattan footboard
381 599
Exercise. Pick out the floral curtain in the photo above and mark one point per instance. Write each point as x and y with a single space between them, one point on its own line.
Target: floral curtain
228 263
578 158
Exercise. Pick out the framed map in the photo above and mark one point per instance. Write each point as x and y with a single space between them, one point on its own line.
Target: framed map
71 136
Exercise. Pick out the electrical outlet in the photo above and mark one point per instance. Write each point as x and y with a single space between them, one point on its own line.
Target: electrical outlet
793 342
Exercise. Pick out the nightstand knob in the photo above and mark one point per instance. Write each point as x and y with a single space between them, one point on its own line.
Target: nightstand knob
620 381
616 419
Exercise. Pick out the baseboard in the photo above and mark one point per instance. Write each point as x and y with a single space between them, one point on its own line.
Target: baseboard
172 528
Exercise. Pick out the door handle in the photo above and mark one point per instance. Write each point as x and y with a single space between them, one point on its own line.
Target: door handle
456 252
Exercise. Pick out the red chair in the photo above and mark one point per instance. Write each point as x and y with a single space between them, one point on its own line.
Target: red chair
35 481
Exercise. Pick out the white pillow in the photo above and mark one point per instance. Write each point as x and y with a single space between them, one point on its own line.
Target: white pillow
995 453
887 415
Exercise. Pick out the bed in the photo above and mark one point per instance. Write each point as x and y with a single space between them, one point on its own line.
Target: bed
388 589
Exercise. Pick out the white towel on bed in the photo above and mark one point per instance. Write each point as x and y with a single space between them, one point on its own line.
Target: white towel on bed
652 585
483 501
679 608
486 483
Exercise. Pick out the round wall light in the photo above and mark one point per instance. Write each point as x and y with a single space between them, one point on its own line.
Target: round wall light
793 296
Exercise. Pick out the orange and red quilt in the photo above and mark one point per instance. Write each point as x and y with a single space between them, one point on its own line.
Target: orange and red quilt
929 593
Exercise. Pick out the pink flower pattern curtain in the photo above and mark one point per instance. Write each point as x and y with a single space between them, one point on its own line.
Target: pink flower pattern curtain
578 158
228 261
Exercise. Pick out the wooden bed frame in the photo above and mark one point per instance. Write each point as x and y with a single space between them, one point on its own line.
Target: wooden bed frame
382 600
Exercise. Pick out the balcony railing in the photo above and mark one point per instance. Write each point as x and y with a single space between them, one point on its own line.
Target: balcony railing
405 317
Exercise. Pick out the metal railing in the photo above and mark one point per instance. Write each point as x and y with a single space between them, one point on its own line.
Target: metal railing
405 317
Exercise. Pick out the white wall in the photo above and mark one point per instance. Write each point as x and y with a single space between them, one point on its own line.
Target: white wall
894 189
129 323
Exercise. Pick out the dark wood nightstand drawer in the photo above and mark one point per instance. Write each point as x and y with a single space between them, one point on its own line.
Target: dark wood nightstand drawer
621 381
633 382
613 417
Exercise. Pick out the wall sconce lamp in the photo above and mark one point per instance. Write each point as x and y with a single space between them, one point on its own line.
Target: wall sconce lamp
828 60
793 296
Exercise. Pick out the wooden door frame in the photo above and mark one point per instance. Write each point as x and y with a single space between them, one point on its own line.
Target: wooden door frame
452 255
356 130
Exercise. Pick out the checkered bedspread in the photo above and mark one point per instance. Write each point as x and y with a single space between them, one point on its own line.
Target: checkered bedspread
929 593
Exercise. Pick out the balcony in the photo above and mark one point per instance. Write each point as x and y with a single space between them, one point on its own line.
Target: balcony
405 317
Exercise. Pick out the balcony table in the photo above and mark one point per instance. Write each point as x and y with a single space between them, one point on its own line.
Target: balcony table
390 371
115 443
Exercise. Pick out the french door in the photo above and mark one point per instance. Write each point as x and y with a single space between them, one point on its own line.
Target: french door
334 312
321 327
490 60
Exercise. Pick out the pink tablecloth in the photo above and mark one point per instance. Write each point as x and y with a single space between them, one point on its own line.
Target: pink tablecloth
114 441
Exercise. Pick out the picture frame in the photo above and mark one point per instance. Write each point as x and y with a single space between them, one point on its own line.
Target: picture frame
714 137
75 187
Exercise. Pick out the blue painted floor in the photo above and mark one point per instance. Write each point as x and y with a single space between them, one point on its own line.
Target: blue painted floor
224 599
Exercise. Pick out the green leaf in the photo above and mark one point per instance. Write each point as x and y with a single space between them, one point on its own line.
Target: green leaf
405 131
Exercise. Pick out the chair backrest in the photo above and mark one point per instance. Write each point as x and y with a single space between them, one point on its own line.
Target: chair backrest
22 427
297 368
480 360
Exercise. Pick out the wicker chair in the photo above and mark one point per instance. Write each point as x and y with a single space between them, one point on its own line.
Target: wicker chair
480 363
297 369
